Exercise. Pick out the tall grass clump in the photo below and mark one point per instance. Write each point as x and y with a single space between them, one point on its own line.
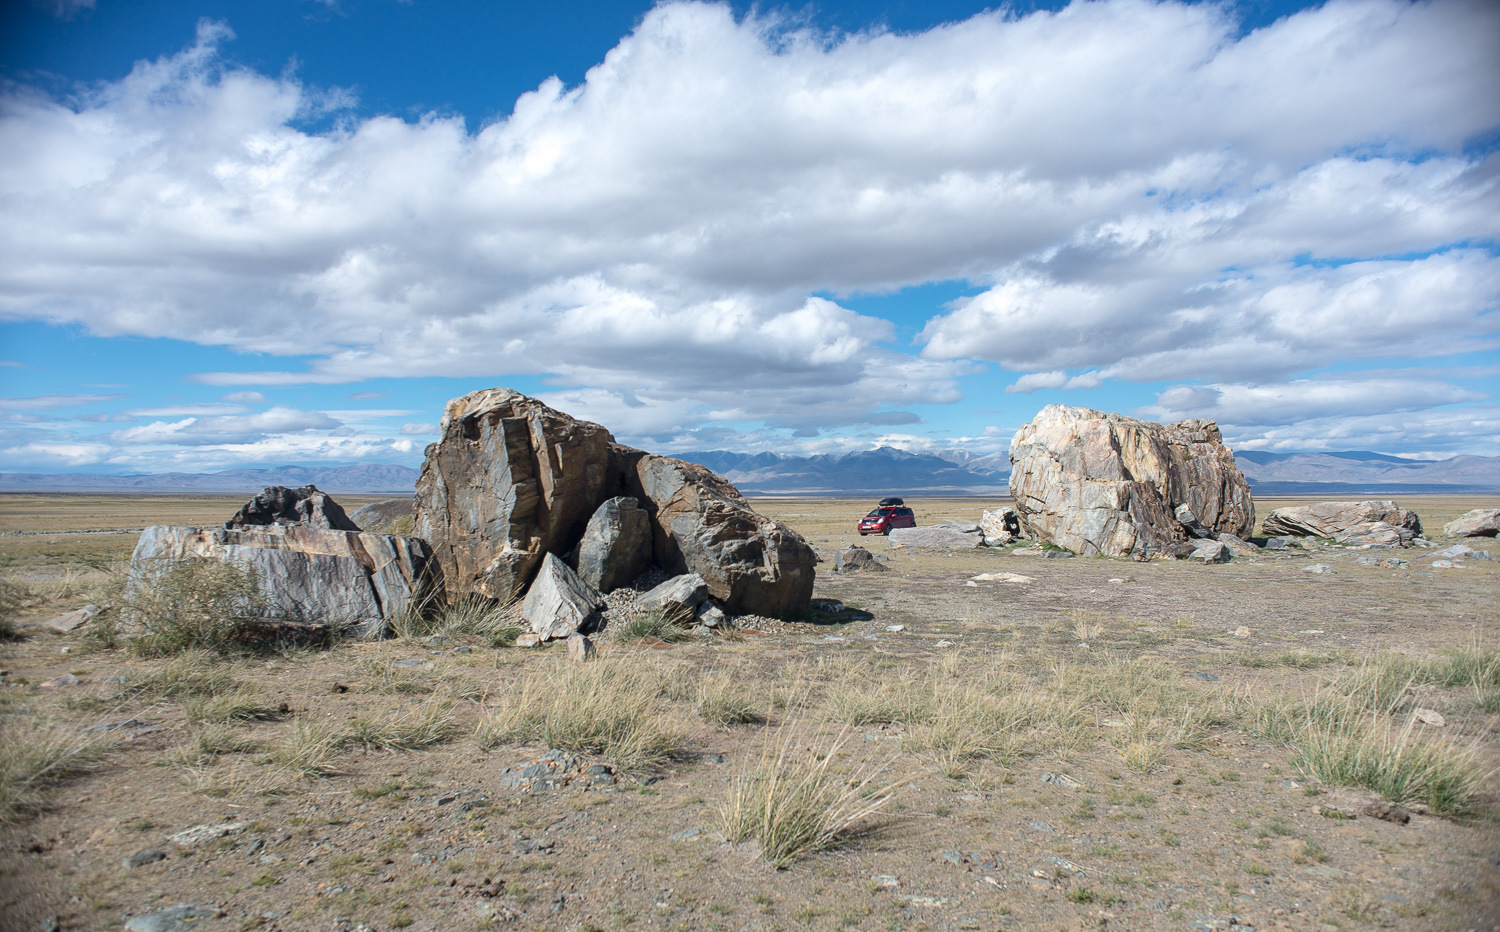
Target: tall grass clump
653 624
723 700
185 675
35 756
610 707
194 605
796 802
428 724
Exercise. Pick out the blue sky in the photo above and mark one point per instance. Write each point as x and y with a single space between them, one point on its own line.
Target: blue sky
287 231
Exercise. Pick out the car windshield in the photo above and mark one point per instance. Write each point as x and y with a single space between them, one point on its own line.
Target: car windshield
877 513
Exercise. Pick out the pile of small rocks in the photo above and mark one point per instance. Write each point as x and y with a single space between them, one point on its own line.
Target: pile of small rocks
554 771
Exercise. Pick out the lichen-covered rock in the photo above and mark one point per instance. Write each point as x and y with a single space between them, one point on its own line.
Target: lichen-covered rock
508 481
341 578
1329 519
616 545
559 604
304 507
1106 484
1000 526
1481 522
701 524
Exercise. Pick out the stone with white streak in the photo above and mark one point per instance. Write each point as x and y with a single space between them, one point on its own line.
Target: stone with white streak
559 604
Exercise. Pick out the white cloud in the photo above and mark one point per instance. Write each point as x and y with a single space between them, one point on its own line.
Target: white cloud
53 402
240 430
1146 196
206 409
1304 399
247 398
419 430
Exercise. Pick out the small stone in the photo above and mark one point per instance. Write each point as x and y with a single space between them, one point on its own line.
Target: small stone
142 858
943 643
886 880
1319 568
1062 779
198 834
71 621
580 648
67 679
463 650
710 615
410 662
171 919
685 834
894 628
1429 717
1242 632
1058 555
1206 677
528 640
1387 811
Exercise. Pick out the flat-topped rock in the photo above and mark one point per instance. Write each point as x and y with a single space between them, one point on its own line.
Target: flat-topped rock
938 537
1481 522
1329 519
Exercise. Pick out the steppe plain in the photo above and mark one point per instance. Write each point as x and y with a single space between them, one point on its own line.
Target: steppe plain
1097 748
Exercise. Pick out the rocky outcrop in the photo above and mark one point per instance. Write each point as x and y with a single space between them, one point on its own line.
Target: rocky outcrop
938 537
345 579
304 507
1375 534
701 524
379 516
616 545
857 560
509 481
559 604
1329 519
1481 522
1000 526
1106 484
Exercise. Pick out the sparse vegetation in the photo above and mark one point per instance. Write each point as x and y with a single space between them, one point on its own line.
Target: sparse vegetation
642 625
35 755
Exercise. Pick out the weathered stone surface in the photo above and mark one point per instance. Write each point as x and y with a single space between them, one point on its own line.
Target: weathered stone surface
509 481
710 615
857 560
560 604
172 919
1240 548
304 507
701 524
1481 522
1375 533
1107 484
938 536
616 545
71 621
379 516
678 597
1210 551
345 578
580 648
1191 524
1327 519
1000 526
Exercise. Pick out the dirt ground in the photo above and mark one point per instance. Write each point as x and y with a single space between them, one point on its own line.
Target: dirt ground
1131 790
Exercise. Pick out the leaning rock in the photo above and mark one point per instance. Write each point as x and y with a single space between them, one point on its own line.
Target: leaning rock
1190 522
616 545
1375 533
1105 484
701 524
559 604
1000 526
355 580
1240 548
1481 522
857 560
304 507
509 481
1210 551
1328 519
678 597
938 537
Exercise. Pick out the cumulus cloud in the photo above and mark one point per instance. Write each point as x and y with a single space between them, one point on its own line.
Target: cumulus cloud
1143 193
1304 399
278 422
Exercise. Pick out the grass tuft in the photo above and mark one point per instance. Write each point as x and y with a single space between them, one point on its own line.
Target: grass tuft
35 756
421 727
642 625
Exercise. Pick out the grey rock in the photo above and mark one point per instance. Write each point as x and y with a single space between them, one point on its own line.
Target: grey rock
580 648
857 560
67 679
115 726
355 580
304 507
198 834
616 545
68 622
677 598
172 919
1481 522
1000 526
1190 523
1106 484
1328 519
379 516
711 616
1238 547
938 537
1058 554
142 858
528 640
1375 533
559 603
1319 568
1210 551
1461 552
1278 543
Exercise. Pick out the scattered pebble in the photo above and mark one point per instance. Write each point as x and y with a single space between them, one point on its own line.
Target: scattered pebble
198 834
1321 568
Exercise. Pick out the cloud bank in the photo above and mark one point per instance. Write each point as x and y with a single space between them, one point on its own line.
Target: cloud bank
1139 192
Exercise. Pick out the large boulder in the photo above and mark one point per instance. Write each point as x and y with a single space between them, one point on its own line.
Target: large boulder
559 604
1375 534
346 579
1106 484
1481 522
616 545
508 481
381 515
701 524
1000 526
1330 519
304 507
938 537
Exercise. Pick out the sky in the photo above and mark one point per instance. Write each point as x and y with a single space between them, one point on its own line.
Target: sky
239 233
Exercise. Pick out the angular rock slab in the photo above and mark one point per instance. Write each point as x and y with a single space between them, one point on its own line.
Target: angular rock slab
1481 522
1106 484
508 481
678 597
1328 519
616 545
1210 551
346 578
304 507
701 524
1375 533
937 537
1000 526
559 604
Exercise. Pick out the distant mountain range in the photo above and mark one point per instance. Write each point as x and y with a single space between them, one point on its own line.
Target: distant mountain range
882 471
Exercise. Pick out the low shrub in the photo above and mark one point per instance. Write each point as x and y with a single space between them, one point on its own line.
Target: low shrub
34 756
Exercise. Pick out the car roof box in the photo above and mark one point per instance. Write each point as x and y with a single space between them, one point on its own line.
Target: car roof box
891 500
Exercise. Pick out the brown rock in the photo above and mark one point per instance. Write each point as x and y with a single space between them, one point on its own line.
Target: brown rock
304 507
1106 484
1481 522
1328 519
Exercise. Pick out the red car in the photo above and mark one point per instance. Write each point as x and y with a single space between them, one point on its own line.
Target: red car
890 513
